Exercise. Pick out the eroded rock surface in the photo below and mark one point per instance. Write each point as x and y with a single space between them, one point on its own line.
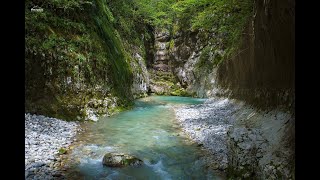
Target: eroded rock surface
120 160
243 141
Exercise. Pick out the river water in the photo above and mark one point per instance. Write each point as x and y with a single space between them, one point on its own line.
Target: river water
149 132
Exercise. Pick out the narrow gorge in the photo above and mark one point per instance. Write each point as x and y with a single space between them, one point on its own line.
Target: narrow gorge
189 89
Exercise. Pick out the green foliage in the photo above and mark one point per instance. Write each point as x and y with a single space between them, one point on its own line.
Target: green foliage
156 13
77 40
171 44
62 151
116 110
92 42
208 59
181 92
224 18
120 70
205 57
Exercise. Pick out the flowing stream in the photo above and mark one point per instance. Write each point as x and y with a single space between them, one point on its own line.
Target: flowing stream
149 132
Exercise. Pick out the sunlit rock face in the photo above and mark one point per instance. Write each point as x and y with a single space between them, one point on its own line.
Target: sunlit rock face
192 56
141 80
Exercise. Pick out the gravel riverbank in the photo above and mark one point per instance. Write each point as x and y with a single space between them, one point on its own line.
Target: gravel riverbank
44 137
241 138
207 125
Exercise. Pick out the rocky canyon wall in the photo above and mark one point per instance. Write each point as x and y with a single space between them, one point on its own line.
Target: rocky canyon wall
260 73
79 64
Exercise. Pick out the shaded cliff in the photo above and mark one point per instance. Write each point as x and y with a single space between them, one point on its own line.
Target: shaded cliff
262 70
262 73
257 68
258 71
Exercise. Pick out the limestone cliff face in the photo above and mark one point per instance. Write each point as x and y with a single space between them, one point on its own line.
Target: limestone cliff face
187 59
261 145
141 81
162 80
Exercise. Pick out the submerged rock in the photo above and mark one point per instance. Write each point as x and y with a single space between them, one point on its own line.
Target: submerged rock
120 160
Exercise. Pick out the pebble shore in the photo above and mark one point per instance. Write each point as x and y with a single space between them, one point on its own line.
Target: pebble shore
207 124
251 138
44 137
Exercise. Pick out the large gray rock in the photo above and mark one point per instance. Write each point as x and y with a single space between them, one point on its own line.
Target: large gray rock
120 160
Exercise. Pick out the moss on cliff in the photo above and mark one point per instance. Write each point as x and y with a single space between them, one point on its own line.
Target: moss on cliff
165 83
73 53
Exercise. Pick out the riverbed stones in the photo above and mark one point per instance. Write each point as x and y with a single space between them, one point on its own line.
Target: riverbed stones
243 141
44 136
207 124
120 160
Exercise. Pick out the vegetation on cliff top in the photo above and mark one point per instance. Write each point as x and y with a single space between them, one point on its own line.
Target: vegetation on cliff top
75 51
79 50
226 19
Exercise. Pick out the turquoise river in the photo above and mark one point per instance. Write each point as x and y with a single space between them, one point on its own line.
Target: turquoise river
150 132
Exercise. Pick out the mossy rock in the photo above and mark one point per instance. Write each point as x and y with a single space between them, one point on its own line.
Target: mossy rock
62 151
120 160
180 92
